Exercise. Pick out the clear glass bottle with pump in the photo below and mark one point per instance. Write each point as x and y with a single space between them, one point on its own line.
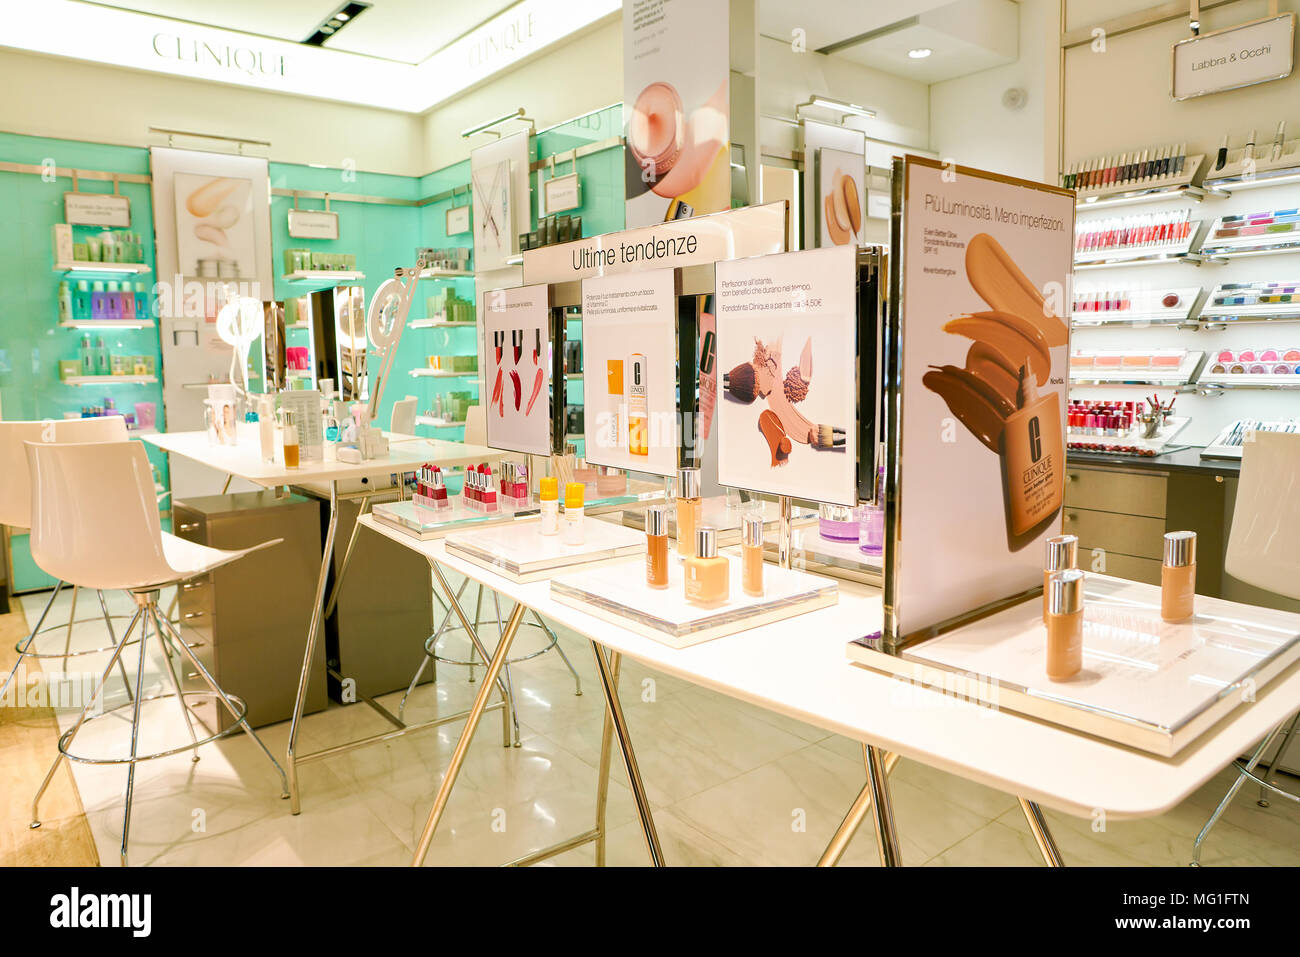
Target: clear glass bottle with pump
708 575
688 510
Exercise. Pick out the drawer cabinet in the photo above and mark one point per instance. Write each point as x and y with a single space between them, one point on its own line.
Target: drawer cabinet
1110 490
1133 535
248 619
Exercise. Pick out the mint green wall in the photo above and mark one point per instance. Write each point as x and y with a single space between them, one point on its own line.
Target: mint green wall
31 342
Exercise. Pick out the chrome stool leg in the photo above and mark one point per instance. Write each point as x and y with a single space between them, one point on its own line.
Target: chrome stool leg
510 688
555 641
176 685
108 623
478 604
428 656
1287 737
81 719
1232 792
135 732
72 618
27 643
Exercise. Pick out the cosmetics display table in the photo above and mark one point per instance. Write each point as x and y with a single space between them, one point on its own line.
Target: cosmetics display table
244 461
1036 761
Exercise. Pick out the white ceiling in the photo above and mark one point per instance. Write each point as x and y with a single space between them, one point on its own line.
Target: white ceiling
404 30
966 36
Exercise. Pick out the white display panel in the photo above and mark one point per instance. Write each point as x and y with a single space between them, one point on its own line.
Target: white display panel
516 352
1144 682
521 552
629 361
841 197
501 206
787 349
980 459
618 593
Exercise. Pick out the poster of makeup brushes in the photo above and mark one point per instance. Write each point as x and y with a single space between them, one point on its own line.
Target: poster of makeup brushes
501 209
787 351
516 350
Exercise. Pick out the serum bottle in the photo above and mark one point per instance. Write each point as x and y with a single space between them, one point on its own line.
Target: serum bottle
1064 624
550 500
638 416
656 547
688 510
708 575
751 551
1178 577
571 524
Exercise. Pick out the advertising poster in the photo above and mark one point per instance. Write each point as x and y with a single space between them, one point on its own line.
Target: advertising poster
841 197
517 362
676 87
787 351
214 226
629 344
986 262
501 209
845 148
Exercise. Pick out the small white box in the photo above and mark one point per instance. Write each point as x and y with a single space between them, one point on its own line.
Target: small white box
62 243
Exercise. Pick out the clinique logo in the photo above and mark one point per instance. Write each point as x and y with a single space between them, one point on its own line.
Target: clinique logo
241 59
504 39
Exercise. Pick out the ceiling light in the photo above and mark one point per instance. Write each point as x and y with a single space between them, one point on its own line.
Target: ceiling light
335 22
840 106
920 53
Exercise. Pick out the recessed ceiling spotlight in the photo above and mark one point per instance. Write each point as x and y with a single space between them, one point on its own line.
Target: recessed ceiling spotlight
335 22
920 53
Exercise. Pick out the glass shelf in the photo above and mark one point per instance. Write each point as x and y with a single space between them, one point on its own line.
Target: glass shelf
443 374
109 380
1143 258
107 324
1159 194
439 324
446 274
324 278
1212 382
103 269
435 423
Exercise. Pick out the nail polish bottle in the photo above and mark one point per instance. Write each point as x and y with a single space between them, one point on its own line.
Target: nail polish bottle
1064 624
708 575
550 501
751 552
1178 577
1062 555
656 542
688 510
571 526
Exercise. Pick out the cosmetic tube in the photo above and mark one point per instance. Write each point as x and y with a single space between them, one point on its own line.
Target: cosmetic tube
1065 624
571 524
1062 555
1178 577
688 510
751 552
656 550
550 500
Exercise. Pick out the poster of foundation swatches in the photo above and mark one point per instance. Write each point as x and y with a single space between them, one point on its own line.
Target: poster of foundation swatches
787 351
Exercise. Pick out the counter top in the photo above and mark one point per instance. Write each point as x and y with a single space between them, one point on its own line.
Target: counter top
1181 459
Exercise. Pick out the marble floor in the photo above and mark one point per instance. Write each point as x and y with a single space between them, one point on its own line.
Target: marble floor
730 784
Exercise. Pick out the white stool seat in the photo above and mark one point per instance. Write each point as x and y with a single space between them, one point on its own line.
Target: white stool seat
189 559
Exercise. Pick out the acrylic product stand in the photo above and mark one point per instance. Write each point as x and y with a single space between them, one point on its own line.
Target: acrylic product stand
618 593
520 551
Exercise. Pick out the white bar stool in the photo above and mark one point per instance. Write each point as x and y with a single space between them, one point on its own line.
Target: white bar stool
16 512
1262 552
95 524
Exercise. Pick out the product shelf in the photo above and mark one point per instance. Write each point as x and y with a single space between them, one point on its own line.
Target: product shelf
442 374
1213 382
107 324
1143 258
1185 374
109 380
446 274
1160 194
103 269
436 423
324 278
436 323
1092 320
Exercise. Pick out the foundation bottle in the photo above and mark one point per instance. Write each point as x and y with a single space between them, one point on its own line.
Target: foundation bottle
550 502
751 553
1062 554
656 546
1178 577
1064 624
708 575
688 510
1032 456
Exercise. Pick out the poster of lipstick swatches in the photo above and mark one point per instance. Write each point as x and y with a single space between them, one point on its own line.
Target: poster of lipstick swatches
516 351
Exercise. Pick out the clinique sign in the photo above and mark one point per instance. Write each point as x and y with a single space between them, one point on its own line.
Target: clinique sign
242 59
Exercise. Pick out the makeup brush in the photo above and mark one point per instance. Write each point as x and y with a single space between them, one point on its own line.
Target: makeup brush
741 382
826 437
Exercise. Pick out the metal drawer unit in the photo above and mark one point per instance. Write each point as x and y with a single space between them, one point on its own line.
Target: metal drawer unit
248 620
1119 517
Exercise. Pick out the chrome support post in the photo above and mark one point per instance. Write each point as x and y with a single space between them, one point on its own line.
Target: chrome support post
839 841
882 806
606 749
1042 834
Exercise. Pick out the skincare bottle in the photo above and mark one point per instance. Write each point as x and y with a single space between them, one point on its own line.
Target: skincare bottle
1032 456
97 307
290 445
571 528
141 301
1178 577
688 510
266 427
638 416
112 302
87 355
656 546
1064 624
751 552
618 413
550 500
126 300
65 302
81 301
1062 555
708 575
102 365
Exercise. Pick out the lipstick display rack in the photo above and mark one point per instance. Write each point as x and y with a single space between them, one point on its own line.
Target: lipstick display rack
1238 174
